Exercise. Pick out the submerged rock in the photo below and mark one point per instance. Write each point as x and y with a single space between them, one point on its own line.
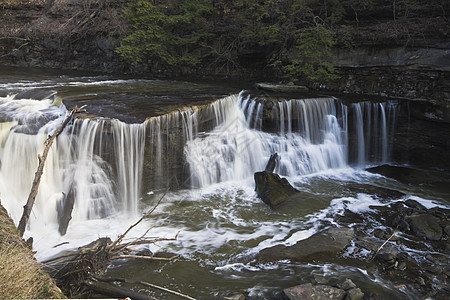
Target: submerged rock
273 189
321 246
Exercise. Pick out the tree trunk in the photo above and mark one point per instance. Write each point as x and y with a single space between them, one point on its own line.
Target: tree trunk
37 178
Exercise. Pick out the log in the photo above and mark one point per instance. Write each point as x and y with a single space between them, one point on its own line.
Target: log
109 289
40 170
147 284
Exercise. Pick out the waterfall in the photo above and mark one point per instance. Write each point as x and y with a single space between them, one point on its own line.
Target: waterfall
373 125
96 162
105 165
311 138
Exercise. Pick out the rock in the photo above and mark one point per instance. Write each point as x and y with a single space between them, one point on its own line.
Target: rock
272 163
383 193
303 291
309 292
425 226
406 175
347 285
447 230
235 297
414 204
387 254
325 292
273 189
321 246
281 88
354 294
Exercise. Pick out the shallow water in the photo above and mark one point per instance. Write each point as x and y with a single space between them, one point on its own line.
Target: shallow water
221 222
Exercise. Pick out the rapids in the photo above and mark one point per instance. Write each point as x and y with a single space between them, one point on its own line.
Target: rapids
117 164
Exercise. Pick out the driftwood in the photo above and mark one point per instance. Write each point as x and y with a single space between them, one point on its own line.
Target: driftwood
146 284
37 178
109 289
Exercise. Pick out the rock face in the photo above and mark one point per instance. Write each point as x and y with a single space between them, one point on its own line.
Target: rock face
273 189
68 34
321 246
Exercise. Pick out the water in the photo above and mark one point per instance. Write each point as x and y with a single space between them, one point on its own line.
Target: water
207 153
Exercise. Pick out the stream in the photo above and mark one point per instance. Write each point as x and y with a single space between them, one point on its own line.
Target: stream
203 141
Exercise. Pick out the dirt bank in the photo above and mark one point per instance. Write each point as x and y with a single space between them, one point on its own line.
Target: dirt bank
21 276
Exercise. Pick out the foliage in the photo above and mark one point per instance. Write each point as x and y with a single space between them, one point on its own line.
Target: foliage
312 56
291 35
291 38
168 32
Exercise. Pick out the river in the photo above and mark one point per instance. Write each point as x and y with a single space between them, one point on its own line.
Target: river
204 141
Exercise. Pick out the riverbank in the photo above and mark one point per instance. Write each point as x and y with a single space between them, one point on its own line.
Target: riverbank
21 276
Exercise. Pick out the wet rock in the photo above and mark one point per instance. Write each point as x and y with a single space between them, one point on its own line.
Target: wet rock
447 230
303 291
369 243
425 226
383 193
235 297
387 254
348 284
354 294
309 292
321 246
405 175
281 88
414 204
273 189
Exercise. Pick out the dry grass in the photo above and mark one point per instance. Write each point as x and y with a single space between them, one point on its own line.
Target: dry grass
20 275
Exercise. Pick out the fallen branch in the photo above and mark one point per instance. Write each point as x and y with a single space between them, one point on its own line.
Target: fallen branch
112 290
382 245
145 284
37 179
76 268
120 238
145 257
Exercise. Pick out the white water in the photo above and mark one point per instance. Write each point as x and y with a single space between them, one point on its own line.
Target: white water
100 162
76 166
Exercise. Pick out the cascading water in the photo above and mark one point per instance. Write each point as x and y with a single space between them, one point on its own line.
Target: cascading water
96 162
312 137
114 171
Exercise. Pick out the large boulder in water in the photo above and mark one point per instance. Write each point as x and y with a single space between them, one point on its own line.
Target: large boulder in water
425 226
273 189
320 246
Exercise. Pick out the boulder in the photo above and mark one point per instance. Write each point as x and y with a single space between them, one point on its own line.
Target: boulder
309 292
303 291
354 294
348 284
321 246
273 189
425 226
